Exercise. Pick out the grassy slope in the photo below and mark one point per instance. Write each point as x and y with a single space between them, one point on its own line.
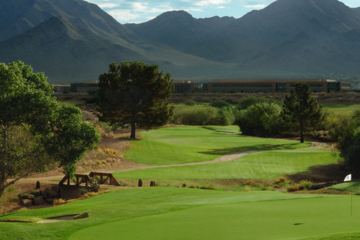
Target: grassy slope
132 203
196 144
257 165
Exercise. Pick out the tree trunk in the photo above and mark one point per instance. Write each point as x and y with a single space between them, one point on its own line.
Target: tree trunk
301 132
132 130
3 161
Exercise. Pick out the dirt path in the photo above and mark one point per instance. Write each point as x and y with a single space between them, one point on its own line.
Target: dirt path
226 158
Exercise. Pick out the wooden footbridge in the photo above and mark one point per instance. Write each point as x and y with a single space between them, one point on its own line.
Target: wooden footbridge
94 178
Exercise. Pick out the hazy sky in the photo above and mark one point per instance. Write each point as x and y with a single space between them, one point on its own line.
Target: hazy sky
128 11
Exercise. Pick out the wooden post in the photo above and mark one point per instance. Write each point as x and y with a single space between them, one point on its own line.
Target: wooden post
68 181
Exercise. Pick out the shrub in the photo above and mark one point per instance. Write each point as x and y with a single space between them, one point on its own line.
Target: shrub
293 188
83 191
195 115
250 183
282 179
25 196
305 185
337 123
190 103
261 119
219 104
247 102
225 116
140 183
184 185
33 192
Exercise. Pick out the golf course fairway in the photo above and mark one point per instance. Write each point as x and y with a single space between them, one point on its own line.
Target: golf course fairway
276 219
267 164
176 145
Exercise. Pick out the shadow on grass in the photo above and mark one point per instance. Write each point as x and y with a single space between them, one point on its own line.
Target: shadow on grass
128 139
321 173
258 147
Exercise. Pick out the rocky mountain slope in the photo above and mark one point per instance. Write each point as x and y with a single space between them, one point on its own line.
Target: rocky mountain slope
73 40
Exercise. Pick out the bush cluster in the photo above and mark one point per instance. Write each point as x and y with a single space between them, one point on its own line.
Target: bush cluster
203 115
261 119
246 102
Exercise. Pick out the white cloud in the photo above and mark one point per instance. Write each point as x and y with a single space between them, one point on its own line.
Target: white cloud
221 7
124 15
209 2
255 6
108 5
139 7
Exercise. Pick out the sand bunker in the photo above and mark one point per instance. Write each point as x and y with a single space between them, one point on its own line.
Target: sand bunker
65 218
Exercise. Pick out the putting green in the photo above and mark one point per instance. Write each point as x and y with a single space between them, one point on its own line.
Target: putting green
196 144
285 219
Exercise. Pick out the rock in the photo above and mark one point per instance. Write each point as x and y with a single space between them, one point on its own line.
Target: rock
83 215
56 188
43 194
39 200
51 193
31 196
27 202
50 200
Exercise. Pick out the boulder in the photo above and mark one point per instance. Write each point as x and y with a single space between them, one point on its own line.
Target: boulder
56 188
50 200
43 194
51 193
39 200
27 202
32 196
82 215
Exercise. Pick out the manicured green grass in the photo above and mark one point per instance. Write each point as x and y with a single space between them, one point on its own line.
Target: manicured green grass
266 164
269 220
342 108
236 215
196 144
348 186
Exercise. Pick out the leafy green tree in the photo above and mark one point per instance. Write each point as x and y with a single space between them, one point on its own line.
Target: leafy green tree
70 138
28 121
136 94
302 109
349 144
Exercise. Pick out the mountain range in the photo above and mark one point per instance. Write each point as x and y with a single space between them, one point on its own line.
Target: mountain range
73 41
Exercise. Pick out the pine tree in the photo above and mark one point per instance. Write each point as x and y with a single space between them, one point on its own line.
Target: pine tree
302 109
136 94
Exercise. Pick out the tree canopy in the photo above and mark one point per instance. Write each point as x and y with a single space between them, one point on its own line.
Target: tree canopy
302 109
136 94
35 131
